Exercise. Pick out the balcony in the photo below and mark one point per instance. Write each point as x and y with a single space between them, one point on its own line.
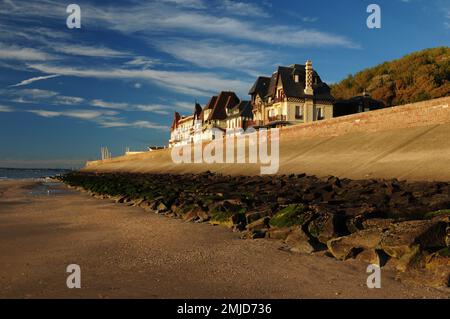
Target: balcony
279 99
277 118
254 123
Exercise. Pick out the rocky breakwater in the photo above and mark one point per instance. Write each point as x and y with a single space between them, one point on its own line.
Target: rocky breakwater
386 222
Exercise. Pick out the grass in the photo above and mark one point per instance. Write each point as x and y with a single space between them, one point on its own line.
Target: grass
288 216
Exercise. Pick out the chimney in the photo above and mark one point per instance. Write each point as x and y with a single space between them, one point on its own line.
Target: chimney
309 78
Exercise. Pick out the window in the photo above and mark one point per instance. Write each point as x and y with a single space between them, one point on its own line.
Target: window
298 112
296 78
319 113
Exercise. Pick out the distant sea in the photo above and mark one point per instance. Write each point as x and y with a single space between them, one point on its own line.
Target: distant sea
27 173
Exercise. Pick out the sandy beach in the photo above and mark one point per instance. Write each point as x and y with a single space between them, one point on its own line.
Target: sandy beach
126 252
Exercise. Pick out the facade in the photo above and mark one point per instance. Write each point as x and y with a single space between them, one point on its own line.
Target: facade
223 111
292 95
240 116
357 104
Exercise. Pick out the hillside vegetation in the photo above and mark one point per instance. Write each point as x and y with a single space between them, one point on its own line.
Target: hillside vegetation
419 76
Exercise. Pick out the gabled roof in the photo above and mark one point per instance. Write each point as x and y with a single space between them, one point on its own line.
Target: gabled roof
225 100
198 112
296 89
211 103
244 109
364 100
176 119
260 87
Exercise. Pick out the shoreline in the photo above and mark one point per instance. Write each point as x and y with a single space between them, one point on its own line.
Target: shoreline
125 252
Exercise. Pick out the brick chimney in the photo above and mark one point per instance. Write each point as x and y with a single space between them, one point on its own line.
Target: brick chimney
309 78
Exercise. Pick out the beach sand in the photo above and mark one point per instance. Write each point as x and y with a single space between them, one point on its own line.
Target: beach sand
125 252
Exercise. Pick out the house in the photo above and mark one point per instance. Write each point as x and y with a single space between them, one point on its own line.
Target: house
258 93
293 95
240 116
357 104
223 111
216 111
186 129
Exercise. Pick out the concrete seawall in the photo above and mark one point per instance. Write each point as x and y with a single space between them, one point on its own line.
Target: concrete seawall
406 142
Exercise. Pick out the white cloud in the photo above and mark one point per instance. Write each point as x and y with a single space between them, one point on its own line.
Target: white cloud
109 105
89 51
155 108
36 93
38 78
69 100
243 8
5 109
45 113
79 114
136 124
191 83
161 17
142 62
13 52
216 54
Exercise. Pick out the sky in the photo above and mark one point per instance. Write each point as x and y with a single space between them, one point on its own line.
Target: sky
116 81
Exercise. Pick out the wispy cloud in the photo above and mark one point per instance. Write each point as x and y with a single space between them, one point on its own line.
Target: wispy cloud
243 8
79 114
216 54
191 83
68 100
155 108
89 51
161 17
38 78
5 109
14 52
135 124
35 93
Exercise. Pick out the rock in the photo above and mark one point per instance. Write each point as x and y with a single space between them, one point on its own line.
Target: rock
326 226
349 246
299 242
251 217
259 224
404 238
357 215
369 256
438 267
122 199
380 223
432 270
279 233
197 214
161 207
256 234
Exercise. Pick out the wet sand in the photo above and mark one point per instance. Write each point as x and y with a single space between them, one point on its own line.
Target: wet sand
125 252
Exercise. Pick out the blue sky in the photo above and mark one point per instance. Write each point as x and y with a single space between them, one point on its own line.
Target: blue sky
116 82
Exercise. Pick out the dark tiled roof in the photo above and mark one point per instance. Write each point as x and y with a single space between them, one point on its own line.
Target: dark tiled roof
176 119
211 103
261 86
355 104
363 100
244 109
225 100
296 89
198 112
